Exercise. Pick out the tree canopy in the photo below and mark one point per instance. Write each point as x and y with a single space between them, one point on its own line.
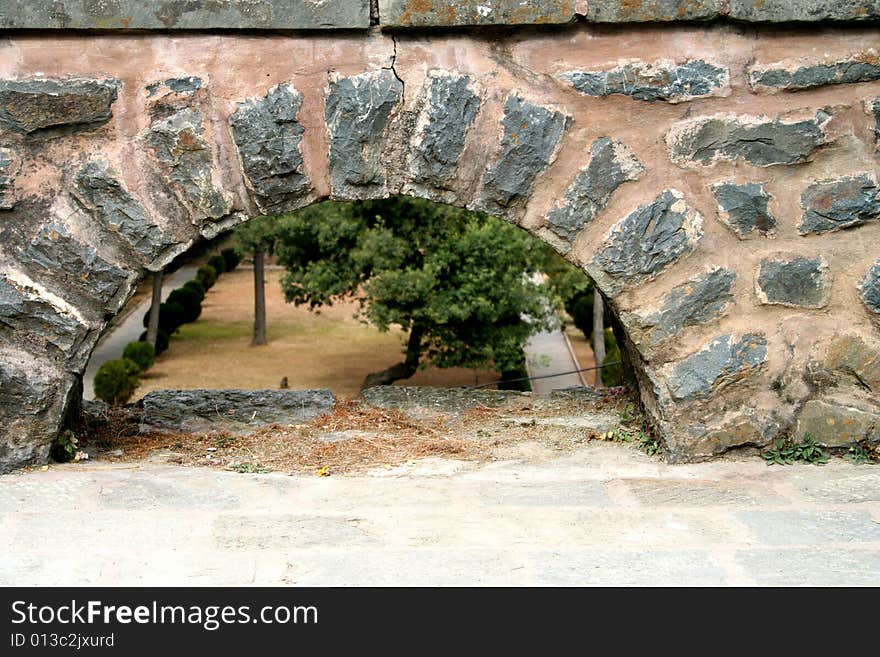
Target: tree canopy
460 283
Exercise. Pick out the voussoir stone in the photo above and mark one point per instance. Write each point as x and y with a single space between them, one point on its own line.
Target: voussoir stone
201 410
179 144
268 135
724 361
357 114
700 300
452 107
786 11
835 425
797 75
445 13
870 288
531 135
757 140
743 208
652 11
797 282
841 203
103 195
8 169
648 240
611 164
653 81
48 107
188 15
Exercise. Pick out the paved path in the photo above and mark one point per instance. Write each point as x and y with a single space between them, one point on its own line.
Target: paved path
549 353
601 514
129 330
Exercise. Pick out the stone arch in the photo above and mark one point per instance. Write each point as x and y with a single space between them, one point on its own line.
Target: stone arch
731 222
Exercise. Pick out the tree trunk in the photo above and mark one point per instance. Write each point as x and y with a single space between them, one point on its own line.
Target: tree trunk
259 298
153 324
598 334
402 370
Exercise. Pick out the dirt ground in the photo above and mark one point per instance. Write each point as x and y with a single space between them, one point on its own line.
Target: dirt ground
328 350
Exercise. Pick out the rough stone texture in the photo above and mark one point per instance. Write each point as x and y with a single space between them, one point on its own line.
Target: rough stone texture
836 425
743 208
58 255
189 15
32 400
444 13
425 401
452 108
101 193
854 357
842 203
268 136
43 327
648 240
747 430
611 165
202 410
357 115
41 107
797 283
632 11
794 76
874 108
8 169
870 288
699 301
756 140
724 361
178 142
531 134
785 11
662 80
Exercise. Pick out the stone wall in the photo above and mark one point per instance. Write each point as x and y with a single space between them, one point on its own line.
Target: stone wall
718 181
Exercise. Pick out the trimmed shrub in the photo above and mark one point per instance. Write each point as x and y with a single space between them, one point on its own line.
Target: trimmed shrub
116 381
207 276
612 375
161 341
218 262
189 301
196 287
582 314
232 258
141 354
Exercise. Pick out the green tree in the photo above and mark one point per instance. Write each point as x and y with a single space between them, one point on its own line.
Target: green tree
458 283
257 237
116 381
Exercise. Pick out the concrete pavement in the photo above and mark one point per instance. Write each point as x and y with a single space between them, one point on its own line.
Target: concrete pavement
600 514
549 353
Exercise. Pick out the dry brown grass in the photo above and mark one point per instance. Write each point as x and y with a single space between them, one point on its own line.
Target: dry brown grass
327 350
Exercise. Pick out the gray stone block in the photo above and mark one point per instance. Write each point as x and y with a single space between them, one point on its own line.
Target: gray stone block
239 410
452 108
105 198
743 208
852 356
189 15
269 135
44 107
870 288
798 283
357 113
698 301
611 165
758 141
722 362
837 425
842 203
652 11
531 134
8 169
178 143
649 240
860 68
810 566
445 13
787 11
791 527
658 81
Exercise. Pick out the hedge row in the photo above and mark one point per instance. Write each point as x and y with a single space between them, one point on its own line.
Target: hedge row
117 379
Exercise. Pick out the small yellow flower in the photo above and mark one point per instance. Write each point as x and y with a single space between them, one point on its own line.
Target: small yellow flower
324 472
